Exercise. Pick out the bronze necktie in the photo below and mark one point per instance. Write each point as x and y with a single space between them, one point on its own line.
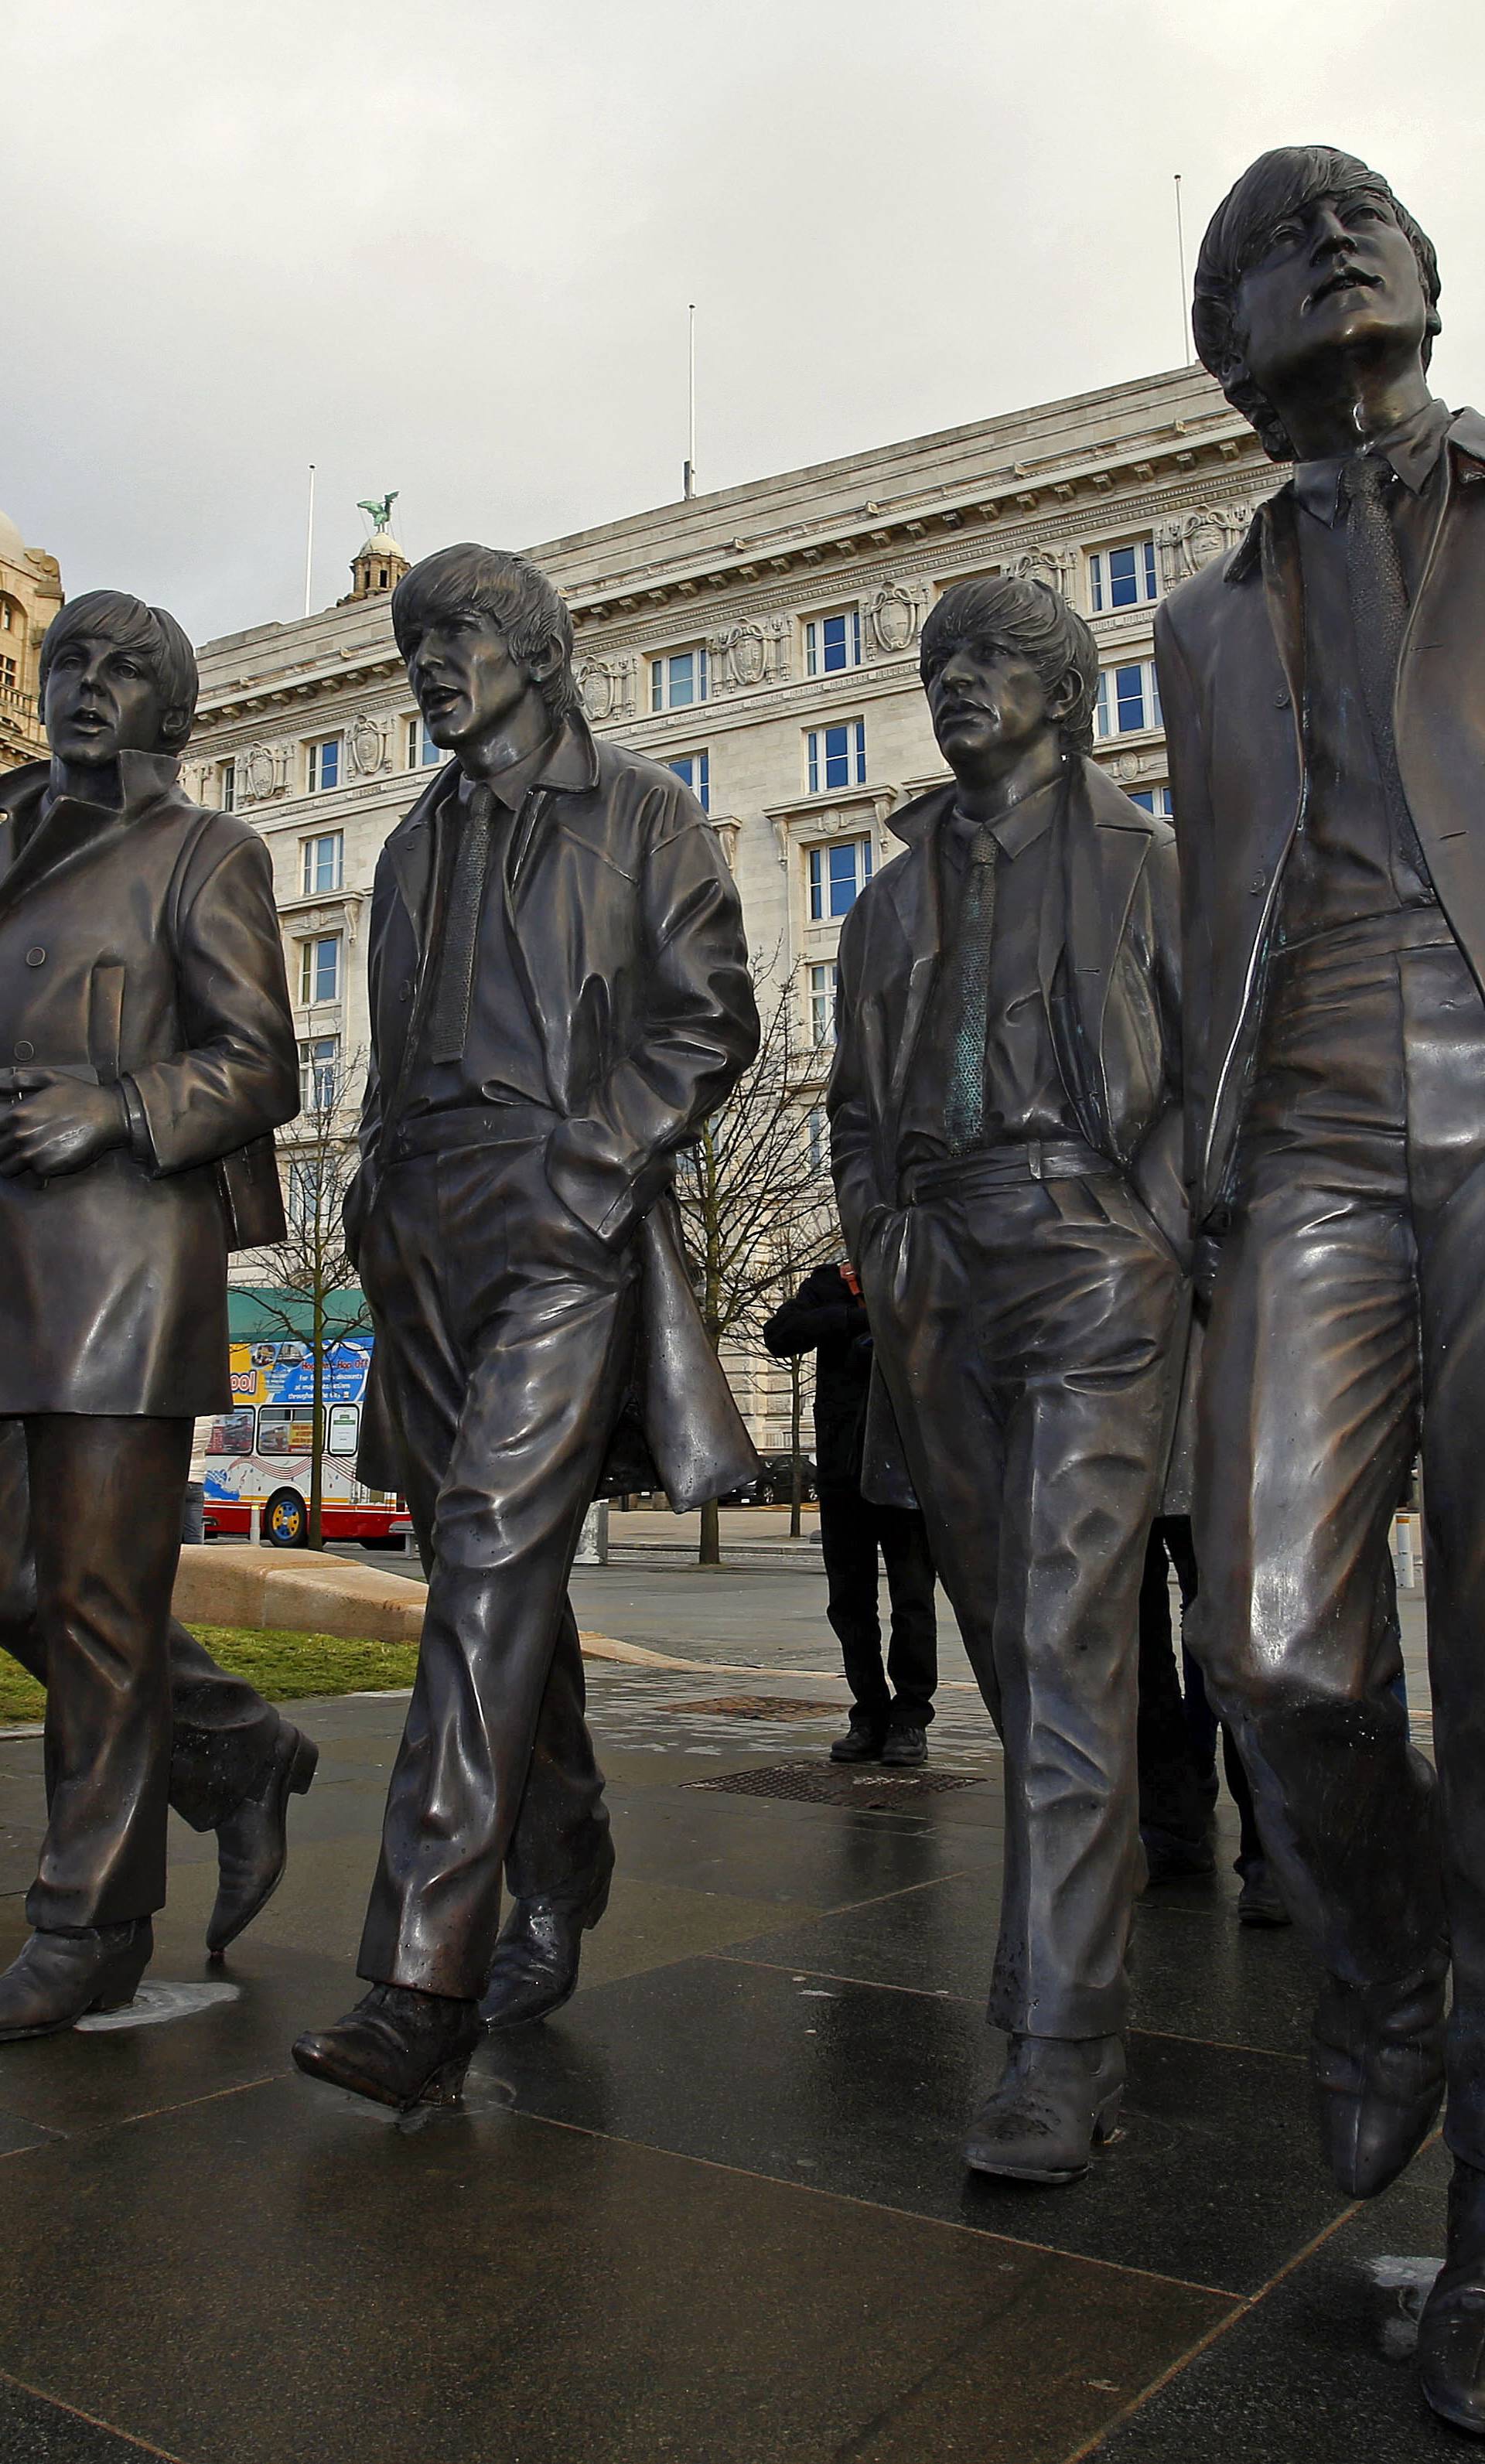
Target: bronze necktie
964 1105
449 1020
1379 616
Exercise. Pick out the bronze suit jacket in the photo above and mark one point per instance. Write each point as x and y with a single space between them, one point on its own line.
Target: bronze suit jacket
140 947
1230 650
628 931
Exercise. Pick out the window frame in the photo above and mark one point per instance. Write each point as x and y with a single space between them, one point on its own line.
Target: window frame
822 877
824 986
1101 585
309 889
314 1060
661 683
309 966
315 751
702 754
816 663
818 756
1110 703
419 743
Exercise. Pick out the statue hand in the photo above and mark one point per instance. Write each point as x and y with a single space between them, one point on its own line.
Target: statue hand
50 1125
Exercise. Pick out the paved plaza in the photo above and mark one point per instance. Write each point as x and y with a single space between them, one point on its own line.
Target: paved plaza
713 2210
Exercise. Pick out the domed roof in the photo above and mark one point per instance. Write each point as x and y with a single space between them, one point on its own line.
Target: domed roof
13 547
379 543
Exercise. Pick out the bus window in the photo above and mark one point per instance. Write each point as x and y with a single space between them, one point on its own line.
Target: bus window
282 1430
232 1433
344 1418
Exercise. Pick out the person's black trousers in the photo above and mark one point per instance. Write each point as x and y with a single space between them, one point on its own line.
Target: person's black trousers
106 1497
222 1732
1025 1331
852 1530
506 1332
1350 1305
1178 1729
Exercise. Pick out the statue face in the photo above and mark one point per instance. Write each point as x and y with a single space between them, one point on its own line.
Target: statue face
467 683
101 701
1337 277
986 704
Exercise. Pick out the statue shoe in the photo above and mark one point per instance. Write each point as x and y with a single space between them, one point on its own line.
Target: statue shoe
1377 2056
252 1843
1452 2331
397 2047
1057 2099
535 1969
60 1977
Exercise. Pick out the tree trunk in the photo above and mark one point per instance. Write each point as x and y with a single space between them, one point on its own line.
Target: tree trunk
710 1552
317 1429
796 1467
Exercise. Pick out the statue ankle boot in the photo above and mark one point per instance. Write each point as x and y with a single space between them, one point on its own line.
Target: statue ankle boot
1377 2055
535 1969
60 1976
1057 2099
397 2047
1452 2331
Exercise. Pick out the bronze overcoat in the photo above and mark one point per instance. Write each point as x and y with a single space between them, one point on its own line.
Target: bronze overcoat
137 948
627 933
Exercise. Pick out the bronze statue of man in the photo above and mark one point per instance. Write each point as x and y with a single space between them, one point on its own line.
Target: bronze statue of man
1004 1115
559 996
145 1026
1324 695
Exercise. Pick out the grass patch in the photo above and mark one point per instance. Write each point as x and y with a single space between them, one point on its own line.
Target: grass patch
282 1666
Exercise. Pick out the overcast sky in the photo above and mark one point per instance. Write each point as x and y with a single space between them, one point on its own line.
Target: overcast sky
446 246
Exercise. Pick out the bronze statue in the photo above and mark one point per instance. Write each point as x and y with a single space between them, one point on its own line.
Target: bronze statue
1325 694
1005 1112
558 998
149 1044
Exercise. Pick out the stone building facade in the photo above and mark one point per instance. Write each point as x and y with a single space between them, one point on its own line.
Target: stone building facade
764 641
31 593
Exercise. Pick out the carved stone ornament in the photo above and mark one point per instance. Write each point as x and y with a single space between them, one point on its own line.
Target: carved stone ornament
1126 766
259 774
597 685
365 746
894 617
743 652
1040 565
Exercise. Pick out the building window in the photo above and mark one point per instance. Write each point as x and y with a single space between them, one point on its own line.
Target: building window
324 863
695 770
823 981
320 1074
1123 577
836 754
6 674
838 874
832 643
311 1187
819 1141
1128 698
227 785
679 679
325 766
423 753
319 969
1153 799
6 616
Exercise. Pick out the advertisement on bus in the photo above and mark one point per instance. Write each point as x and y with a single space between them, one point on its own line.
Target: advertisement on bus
258 1453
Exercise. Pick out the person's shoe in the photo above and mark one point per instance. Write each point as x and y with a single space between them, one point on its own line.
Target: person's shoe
397 2047
904 1747
1377 2056
252 1843
1452 2331
1057 2099
863 1742
1169 1856
535 1969
60 1977
1258 1902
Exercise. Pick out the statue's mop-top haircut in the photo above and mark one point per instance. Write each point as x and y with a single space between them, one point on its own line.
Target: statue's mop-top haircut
161 644
1279 184
507 590
1003 613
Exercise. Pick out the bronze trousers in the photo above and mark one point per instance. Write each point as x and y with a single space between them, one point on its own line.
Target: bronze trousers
1347 1330
506 1331
1025 1335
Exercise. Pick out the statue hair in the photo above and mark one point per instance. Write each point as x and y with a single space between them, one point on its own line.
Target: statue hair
163 645
1004 612
1282 182
510 590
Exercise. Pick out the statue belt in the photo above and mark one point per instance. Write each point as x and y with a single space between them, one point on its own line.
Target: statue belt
1007 1167
458 1127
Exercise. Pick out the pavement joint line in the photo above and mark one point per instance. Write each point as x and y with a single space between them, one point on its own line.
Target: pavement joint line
94 2420
881 2208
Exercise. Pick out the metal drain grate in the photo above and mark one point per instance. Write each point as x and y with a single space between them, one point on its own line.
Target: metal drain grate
761 1706
877 1792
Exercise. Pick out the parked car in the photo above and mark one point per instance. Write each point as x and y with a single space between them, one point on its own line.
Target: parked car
773 1483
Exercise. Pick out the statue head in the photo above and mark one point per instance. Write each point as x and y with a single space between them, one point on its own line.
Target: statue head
487 639
1005 661
1308 258
116 677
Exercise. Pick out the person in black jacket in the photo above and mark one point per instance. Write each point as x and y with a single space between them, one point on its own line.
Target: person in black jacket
891 1706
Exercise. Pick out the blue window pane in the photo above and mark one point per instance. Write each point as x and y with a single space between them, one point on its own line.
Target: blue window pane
1144 798
860 735
695 768
816 885
1123 584
837 757
330 764
1149 568
834 633
683 679
1129 694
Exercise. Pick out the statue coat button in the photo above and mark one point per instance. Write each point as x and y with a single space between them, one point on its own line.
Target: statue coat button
25 1051
1281 701
36 957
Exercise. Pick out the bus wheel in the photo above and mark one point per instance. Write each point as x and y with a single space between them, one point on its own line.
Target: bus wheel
286 1519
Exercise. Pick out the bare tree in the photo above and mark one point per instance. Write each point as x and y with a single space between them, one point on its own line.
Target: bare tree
312 1276
756 1201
